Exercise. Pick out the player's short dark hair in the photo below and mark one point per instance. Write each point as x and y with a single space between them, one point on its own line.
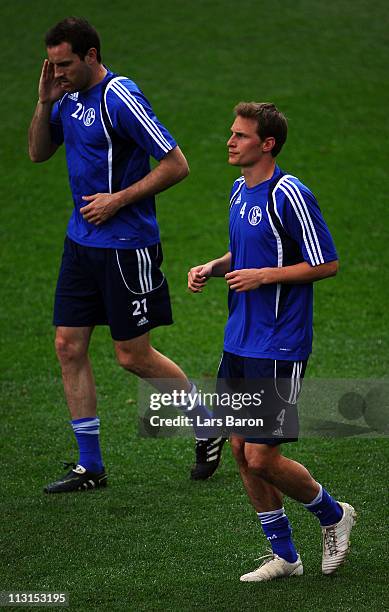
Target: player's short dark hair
78 32
271 122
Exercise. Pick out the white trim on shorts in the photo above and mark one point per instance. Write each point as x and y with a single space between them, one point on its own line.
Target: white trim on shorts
295 382
144 271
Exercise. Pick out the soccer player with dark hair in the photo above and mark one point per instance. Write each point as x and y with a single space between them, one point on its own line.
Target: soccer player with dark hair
279 246
111 266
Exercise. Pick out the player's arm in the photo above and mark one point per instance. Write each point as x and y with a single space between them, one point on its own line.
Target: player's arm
170 170
40 144
245 280
198 276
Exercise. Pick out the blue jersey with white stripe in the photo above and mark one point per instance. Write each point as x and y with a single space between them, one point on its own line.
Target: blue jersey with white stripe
276 223
110 131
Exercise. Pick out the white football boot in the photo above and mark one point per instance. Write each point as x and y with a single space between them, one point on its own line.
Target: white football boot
336 540
273 567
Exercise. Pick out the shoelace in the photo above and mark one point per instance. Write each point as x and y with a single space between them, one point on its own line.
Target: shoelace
269 556
330 541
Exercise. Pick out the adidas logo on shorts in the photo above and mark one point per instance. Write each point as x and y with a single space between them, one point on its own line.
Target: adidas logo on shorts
278 432
142 321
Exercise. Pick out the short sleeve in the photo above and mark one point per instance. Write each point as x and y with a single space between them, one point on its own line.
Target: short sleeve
132 117
56 129
303 221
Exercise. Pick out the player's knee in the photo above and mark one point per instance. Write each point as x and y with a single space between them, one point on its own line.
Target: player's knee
68 351
133 361
260 465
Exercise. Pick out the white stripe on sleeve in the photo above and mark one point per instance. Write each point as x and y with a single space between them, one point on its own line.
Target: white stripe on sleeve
139 112
307 216
307 242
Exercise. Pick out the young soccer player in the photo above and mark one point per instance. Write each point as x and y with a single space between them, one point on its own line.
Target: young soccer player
279 246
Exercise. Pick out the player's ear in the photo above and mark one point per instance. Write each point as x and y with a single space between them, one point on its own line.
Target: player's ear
268 144
91 56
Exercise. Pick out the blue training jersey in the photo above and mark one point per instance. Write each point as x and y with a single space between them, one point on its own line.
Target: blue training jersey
280 228
110 131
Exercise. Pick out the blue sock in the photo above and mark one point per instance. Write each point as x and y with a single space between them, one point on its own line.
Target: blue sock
87 436
195 408
278 532
326 508
200 415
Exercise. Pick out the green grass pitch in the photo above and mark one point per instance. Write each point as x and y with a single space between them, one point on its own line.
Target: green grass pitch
154 540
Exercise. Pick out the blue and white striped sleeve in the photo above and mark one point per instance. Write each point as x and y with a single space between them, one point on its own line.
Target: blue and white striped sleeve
132 117
303 221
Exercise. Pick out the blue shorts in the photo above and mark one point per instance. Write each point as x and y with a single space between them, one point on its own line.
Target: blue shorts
122 288
279 384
